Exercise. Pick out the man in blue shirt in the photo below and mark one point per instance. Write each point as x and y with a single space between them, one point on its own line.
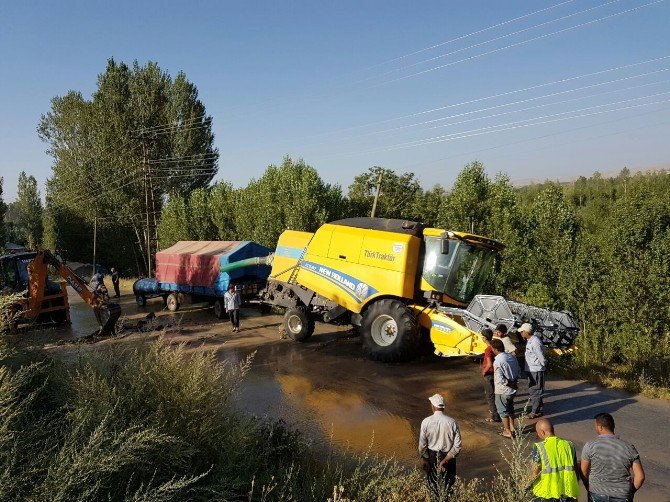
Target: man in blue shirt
505 375
536 364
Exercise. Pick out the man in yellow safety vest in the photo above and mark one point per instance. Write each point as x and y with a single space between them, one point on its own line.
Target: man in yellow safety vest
555 470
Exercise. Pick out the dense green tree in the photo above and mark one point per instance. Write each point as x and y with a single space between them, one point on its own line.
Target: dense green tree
174 222
426 206
26 212
141 129
222 201
397 197
466 208
201 226
291 196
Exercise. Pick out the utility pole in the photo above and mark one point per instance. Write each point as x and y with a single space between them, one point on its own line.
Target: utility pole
95 239
146 203
379 188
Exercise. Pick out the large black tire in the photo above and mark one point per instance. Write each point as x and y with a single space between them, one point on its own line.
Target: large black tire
172 302
389 331
297 324
219 309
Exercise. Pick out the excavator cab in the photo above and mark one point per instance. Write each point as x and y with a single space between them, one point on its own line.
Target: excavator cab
13 271
45 299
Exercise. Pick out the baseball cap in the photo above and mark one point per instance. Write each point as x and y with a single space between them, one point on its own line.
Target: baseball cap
436 400
527 328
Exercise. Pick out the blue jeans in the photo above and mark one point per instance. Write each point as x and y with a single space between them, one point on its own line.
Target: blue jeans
594 497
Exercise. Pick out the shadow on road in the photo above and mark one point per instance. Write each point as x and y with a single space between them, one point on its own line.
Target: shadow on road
584 402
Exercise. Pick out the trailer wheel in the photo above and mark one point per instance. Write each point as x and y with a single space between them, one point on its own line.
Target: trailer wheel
219 309
297 324
172 302
389 331
140 300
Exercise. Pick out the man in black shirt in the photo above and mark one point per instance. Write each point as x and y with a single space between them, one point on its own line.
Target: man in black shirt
115 282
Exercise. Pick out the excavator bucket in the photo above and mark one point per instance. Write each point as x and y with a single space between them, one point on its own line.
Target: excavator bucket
107 315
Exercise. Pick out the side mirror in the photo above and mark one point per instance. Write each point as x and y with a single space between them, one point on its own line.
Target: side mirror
497 262
444 246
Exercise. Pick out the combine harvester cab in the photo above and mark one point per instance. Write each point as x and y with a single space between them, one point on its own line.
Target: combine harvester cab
397 281
201 271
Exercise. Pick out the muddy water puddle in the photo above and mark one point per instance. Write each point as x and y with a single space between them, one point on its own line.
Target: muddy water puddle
325 388
339 418
335 396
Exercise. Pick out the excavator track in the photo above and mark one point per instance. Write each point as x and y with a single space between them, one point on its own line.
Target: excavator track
107 315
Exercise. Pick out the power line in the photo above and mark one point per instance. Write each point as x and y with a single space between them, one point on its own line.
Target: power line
553 103
175 124
461 37
501 37
517 124
494 96
446 137
313 95
516 44
200 156
535 138
535 98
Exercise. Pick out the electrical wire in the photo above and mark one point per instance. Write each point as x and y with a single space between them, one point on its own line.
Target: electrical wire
174 124
501 37
527 100
553 103
494 96
535 138
200 156
523 42
516 124
461 37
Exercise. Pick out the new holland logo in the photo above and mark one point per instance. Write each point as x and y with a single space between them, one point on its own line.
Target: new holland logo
442 327
357 289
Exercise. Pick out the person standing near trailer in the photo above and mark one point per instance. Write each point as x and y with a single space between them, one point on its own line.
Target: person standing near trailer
115 282
233 301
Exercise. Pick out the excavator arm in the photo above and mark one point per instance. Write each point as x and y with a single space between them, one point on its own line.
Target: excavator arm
106 313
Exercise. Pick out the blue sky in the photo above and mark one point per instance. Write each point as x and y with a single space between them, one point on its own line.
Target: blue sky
327 81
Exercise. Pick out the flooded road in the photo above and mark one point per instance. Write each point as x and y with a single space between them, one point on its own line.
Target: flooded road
328 390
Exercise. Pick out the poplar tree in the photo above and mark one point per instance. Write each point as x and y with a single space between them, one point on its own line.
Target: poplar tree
142 135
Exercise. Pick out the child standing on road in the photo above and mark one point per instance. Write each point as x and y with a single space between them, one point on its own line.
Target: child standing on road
233 301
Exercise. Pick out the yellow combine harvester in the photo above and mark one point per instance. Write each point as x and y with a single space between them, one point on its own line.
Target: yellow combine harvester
395 280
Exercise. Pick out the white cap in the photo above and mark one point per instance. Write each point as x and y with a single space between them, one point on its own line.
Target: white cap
526 328
436 400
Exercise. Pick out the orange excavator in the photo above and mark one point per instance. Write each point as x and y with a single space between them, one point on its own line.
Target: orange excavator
46 300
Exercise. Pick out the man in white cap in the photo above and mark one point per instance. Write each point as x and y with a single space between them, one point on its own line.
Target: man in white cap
536 364
439 445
